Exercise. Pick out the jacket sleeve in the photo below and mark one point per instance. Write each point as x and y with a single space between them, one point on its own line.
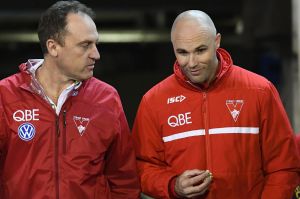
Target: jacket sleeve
3 138
2 129
120 167
280 159
154 173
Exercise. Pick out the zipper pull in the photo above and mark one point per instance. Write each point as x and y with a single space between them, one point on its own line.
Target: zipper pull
57 127
64 118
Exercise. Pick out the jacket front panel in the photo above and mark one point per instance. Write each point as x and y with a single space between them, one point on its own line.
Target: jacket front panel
24 138
80 153
223 129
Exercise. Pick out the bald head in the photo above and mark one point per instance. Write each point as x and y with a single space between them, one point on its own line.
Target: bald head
195 43
193 19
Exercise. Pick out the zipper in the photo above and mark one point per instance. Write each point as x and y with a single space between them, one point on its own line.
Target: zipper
207 136
57 127
64 131
56 151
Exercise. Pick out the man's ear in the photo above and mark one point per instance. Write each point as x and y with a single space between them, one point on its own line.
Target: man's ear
52 47
218 40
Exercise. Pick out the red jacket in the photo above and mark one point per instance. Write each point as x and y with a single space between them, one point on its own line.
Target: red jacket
297 140
83 153
237 128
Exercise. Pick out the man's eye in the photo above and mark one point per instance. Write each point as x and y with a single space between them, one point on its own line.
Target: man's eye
85 45
201 50
182 53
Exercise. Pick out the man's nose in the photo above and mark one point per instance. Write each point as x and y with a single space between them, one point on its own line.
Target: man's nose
95 53
192 60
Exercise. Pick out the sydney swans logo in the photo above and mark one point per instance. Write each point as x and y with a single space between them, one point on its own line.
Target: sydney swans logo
81 123
234 107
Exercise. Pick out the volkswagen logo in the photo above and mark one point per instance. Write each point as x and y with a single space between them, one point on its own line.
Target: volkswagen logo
26 131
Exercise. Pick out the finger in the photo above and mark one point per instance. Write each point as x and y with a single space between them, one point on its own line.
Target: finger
188 183
210 174
196 180
210 178
195 190
200 187
194 172
205 185
184 180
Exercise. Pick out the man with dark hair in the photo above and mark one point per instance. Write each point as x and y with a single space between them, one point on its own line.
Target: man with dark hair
213 130
63 133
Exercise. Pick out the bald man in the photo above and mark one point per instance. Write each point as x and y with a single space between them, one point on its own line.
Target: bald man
213 129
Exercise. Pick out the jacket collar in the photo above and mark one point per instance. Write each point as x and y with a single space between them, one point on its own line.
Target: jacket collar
31 84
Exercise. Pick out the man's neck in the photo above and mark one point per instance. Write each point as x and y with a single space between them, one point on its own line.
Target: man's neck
213 77
52 81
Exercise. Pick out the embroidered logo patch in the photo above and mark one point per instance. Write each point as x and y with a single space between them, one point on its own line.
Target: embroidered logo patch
234 107
81 123
26 131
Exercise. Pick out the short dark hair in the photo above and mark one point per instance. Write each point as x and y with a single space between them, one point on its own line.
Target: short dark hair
53 21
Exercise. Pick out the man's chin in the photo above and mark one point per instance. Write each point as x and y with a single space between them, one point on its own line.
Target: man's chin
197 80
85 77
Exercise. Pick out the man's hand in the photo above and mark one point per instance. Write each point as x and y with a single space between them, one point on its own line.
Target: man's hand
193 183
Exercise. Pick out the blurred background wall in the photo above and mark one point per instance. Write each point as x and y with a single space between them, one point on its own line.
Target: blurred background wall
136 53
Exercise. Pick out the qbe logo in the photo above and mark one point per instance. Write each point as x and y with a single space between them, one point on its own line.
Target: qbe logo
26 131
26 115
180 119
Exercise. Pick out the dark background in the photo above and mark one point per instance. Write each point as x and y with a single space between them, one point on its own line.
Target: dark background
257 33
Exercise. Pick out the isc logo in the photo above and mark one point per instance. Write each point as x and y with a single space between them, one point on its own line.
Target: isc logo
179 98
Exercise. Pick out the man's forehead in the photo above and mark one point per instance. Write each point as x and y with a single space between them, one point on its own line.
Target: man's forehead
191 35
190 29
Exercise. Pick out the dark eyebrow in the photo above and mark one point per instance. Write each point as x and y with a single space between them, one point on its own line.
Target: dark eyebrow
180 50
